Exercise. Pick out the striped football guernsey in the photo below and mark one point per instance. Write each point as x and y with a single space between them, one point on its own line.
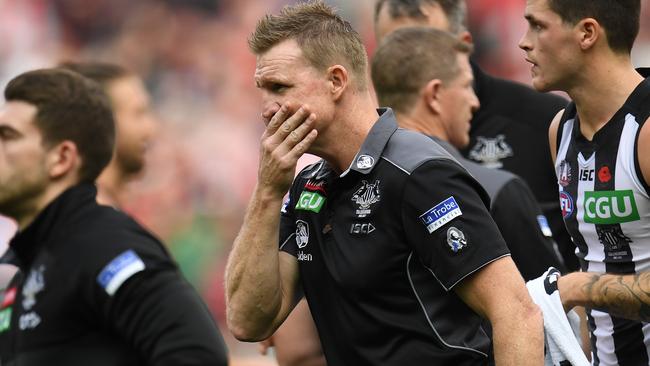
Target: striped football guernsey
606 208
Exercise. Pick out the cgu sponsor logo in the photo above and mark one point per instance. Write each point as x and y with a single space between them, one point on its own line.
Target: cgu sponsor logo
610 207
5 319
310 201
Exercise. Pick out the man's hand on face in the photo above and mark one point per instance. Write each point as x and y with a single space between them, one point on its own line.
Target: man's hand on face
287 137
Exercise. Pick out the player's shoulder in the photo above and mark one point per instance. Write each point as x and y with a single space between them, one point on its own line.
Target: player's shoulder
408 150
519 102
493 180
108 233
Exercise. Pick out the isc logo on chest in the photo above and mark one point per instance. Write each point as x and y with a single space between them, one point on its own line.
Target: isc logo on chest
610 207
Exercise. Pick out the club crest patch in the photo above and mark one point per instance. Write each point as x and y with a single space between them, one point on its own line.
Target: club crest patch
564 173
366 196
302 234
456 239
365 162
441 214
490 151
35 283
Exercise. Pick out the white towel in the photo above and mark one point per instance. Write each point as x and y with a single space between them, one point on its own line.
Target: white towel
560 338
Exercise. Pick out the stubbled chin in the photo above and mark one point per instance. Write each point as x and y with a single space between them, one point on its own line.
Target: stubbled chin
539 85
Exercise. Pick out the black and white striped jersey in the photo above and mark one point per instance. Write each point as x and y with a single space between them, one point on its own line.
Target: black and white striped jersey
606 208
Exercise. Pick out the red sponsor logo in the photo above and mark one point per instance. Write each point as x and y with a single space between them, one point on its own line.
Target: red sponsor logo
315 186
604 175
9 298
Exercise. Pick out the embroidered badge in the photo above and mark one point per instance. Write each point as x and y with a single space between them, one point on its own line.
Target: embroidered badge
604 175
441 214
490 151
302 234
456 239
34 284
365 162
366 196
564 173
566 204
120 269
310 201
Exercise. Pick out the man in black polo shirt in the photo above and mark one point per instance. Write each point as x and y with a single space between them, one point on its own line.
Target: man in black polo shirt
388 237
424 75
509 131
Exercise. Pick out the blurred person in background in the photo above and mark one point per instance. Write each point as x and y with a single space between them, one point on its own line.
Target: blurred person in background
93 287
509 130
134 126
601 148
358 235
426 78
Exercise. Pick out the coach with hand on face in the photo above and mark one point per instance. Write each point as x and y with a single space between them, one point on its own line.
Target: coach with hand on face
387 237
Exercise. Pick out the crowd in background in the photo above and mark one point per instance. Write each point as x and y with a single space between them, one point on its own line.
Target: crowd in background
194 59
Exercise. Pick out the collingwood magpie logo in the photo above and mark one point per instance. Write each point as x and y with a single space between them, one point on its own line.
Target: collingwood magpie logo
365 162
34 284
612 238
302 239
456 239
302 234
490 151
365 196
564 173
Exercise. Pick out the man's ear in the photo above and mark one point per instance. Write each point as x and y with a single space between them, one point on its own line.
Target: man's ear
466 37
589 31
338 78
63 159
431 94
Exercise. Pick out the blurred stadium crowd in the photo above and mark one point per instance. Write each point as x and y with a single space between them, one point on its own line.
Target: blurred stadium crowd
194 59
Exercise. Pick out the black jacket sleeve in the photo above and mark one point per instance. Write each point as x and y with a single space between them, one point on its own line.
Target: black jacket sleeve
163 317
517 215
137 293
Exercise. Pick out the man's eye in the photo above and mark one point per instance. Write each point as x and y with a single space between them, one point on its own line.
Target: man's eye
277 87
7 133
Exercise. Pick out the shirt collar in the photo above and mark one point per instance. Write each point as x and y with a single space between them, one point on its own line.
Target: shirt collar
26 244
375 142
449 148
644 71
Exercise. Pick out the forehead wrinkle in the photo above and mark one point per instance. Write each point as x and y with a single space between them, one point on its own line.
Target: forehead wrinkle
275 67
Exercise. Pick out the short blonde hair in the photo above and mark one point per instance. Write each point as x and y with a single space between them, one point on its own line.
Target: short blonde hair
408 58
324 38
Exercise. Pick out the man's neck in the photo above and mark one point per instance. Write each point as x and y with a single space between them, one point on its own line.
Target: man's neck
342 139
110 186
30 209
601 92
429 126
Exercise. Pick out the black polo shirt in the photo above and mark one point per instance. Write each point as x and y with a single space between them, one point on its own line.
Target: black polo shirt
381 246
510 131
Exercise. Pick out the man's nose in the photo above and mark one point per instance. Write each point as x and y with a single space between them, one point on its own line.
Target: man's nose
524 44
269 110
